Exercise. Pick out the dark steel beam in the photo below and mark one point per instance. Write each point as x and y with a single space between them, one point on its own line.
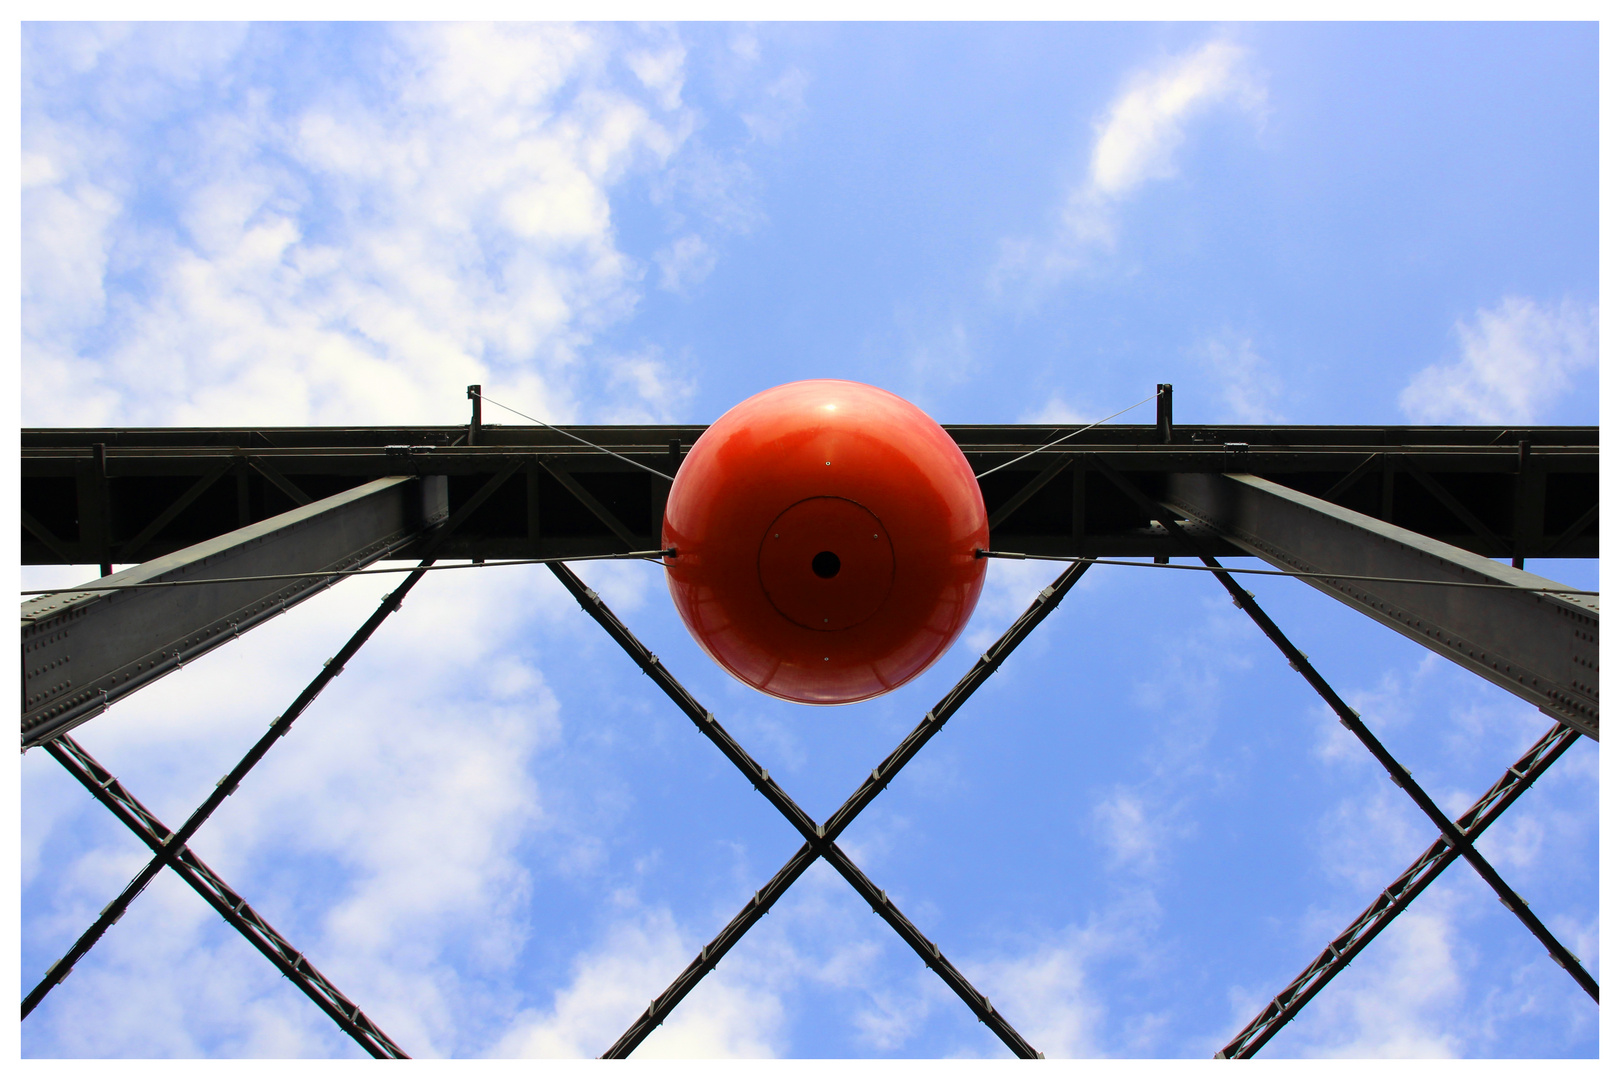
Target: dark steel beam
230 905
591 503
1352 722
132 549
173 845
270 473
1540 646
1028 491
85 649
173 842
1401 892
819 839
45 536
1535 499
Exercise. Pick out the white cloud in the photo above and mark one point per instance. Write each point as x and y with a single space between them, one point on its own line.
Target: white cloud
612 984
938 354
1244 381
1133 830
1049 991
1400 998
684 263
410 777
1518 361
360 260
1146 124
1057 410
662 71
778 107
1136 140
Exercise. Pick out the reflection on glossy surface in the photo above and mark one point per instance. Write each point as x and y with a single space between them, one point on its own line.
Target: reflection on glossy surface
824 535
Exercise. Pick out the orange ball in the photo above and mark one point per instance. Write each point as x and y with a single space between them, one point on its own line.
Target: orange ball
824 535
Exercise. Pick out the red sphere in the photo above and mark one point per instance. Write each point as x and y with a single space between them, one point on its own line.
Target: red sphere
824 535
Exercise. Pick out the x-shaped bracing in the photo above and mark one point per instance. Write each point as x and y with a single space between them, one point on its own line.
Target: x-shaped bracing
1456 838
170 847
1400 893
820 839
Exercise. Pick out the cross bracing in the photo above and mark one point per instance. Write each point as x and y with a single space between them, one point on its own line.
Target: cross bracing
184 502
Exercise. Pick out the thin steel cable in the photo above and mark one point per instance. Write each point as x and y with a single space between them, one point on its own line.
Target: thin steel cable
669 553
576 438
1066 438
1285 573
650 556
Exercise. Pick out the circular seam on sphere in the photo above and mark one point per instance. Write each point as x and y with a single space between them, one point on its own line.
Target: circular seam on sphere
794 551
824 438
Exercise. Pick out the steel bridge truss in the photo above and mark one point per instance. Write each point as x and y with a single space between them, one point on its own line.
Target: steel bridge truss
1548 657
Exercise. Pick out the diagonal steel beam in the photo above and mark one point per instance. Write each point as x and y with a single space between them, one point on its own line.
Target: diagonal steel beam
173 843
46 537
1401 892
590 502
222 898
1029 491
1351 478
1497 546
272 474
83 650
1578 526
228 783
1541 646
130 551
819 839
1352 722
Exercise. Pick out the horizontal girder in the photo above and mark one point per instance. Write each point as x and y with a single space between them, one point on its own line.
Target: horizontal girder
1541 646
1525 492
84 649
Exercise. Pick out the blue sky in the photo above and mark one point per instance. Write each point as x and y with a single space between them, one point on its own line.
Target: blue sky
495 835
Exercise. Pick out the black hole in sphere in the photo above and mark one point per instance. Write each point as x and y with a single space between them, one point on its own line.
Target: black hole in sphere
825 564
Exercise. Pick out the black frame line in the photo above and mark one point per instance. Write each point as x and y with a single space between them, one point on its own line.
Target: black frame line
819 839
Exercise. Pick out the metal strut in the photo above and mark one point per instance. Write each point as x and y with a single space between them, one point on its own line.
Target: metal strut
819 839
170 845
171 849
223 899
1401 892
1352 722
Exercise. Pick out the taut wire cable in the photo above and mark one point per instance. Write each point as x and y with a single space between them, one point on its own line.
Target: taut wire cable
670 553
576 438
983 554
650 556
1070 435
